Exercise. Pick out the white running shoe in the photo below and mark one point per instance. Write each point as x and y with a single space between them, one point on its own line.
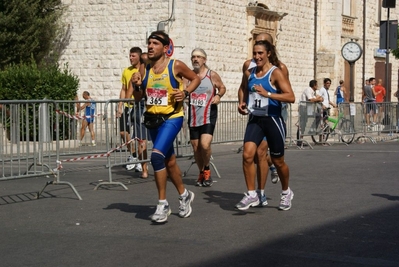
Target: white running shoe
161 214
274 175
131 166
285 202
138 168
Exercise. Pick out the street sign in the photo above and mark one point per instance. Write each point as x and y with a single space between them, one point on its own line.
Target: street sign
382 53
171 48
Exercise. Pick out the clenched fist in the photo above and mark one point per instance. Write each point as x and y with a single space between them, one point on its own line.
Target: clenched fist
136 78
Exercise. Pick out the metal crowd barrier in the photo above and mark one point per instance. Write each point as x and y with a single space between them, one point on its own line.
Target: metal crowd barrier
182 145
71 127
116 143
230 126
360 120
286 114
29 141
308 120
339 125
290 125
379 119
40 137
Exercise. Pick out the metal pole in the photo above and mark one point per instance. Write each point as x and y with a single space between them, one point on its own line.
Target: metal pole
315 41
352 83
387 80
364 44
44 124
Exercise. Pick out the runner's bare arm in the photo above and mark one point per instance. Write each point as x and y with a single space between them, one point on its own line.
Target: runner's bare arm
217 82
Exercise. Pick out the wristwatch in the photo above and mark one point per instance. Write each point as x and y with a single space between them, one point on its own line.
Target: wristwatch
269 94
186 93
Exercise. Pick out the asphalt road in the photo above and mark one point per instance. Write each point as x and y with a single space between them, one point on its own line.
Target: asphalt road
345 213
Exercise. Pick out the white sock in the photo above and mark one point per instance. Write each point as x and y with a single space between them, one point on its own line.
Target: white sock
185 193
285 192
163 202
260 192
252 193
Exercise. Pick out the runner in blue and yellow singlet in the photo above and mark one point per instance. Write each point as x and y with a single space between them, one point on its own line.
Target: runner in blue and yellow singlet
160 83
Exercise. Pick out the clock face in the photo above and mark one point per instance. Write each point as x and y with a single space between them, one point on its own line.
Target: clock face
351 51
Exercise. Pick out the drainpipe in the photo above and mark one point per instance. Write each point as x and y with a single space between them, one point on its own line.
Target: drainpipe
364 44
315 41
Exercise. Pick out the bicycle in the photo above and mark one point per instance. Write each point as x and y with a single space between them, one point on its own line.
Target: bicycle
346 130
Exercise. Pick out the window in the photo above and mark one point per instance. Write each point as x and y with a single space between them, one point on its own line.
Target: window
347 8
262 20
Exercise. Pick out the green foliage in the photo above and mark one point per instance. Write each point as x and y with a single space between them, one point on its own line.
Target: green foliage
28 28
32 38
395 52
28 81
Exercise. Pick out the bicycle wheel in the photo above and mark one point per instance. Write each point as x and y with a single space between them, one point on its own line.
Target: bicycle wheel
322 137
347 131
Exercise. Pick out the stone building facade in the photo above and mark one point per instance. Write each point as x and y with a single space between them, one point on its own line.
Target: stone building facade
309 35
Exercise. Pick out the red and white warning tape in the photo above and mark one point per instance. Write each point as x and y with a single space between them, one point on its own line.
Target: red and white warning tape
76 117
59 162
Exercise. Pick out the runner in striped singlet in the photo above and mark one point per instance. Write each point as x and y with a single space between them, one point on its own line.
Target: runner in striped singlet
202 114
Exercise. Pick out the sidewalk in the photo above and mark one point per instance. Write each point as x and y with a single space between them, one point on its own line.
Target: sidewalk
345 213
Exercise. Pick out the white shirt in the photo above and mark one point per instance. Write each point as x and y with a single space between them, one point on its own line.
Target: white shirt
326 97
308 94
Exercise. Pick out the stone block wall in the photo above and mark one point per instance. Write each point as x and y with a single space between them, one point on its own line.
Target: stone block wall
103 31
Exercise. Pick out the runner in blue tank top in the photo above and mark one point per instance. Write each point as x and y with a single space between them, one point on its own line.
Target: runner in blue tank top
262 156
266 88
90 108
340 92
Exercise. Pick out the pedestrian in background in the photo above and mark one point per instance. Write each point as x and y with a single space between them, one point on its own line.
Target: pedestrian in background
90 108
340 93
380 93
